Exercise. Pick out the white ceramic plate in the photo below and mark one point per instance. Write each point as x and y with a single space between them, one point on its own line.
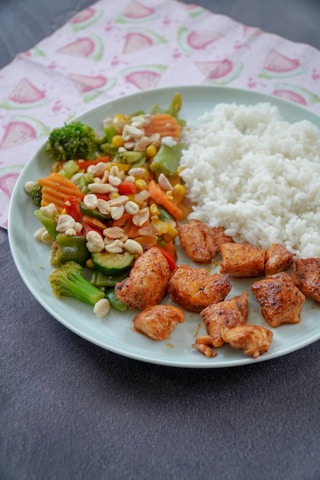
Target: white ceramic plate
114 332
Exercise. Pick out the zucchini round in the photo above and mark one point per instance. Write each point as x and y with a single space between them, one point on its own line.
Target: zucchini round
112 263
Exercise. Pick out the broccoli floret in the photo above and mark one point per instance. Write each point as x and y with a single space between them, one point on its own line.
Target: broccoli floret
73 141
36 194
68 281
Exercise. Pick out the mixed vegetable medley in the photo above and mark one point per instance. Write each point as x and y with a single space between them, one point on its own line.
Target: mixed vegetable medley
108 198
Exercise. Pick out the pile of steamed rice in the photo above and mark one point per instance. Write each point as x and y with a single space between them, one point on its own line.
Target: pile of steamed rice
257 175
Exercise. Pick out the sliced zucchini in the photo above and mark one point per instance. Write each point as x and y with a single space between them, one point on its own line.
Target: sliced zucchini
112 263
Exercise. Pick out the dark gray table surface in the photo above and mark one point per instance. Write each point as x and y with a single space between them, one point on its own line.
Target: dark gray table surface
71 410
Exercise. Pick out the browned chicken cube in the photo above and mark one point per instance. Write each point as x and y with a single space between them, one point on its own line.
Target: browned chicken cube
220 237
242 260
204 345
195 288
226 314
201 242
277 259
280 300
147 282
158 321
253 340
306 277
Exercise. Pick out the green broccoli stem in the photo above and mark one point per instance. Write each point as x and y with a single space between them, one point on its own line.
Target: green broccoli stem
68 281
48 222
69 248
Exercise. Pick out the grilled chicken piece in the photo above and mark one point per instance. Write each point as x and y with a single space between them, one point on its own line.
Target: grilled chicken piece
306 277
227 314
204 345
147 282
201 242
277 259
280 300
254 340
220 237
158 321
242 260
195 288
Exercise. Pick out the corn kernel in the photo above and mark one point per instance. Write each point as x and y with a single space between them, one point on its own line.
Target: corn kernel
114 195
179 192
117 141
171 234
154 210
121 166
151 150
169 194
141 184
119 117
180 169
161 226
89 263
180 188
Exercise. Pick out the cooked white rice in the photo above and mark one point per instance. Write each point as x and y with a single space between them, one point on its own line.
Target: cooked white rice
257 175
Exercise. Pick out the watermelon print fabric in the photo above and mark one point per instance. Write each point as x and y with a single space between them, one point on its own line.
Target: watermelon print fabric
116 48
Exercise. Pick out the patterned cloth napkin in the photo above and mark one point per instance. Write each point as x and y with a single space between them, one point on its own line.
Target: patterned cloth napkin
116 48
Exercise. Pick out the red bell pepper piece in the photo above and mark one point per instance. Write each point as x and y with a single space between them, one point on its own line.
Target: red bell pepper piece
72 206
127 188
171 261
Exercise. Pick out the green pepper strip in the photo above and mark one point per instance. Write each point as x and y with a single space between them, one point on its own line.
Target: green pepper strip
69 248
99 279
110 294
164 214
167 159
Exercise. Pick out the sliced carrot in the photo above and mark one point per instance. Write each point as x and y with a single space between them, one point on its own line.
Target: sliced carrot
147 241
84 164
131 230
125 222
159 196
56 188
121 222
164 124
93 222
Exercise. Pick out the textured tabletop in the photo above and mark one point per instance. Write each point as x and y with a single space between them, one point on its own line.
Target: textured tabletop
71 410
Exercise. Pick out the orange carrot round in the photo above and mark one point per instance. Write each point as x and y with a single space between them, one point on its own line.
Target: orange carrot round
56 188
164 124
